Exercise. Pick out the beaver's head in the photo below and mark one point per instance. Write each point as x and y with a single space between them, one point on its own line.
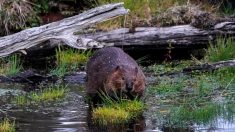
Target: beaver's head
126 79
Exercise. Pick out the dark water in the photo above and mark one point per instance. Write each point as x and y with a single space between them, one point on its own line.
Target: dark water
72 115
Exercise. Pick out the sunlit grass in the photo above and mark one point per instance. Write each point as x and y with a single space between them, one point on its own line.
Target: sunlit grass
69 60
52 93
108 115
10 65
7 126
224 49
117 111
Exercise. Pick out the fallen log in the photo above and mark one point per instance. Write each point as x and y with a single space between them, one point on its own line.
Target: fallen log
182 36
61 30
144 38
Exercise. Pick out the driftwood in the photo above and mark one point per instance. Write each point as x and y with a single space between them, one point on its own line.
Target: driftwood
62 30
183 36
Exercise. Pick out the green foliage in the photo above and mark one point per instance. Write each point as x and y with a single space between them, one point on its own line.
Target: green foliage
70 60
182 116
7 126
227 10
224 49
51 93
42 6
10 65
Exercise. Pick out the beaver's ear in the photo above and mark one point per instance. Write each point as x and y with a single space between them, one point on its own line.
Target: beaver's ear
119 68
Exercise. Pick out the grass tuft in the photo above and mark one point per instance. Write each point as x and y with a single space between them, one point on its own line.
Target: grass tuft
69 60
49 94
7 126
10 65
108 115
224 49
117 111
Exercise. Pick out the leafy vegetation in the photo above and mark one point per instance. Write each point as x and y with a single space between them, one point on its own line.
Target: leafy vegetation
7 126
10 65
69 60
51 93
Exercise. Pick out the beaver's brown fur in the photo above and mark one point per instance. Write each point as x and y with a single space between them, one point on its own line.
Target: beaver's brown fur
111 70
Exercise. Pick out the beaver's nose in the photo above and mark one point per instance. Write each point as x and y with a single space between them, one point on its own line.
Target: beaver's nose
129 86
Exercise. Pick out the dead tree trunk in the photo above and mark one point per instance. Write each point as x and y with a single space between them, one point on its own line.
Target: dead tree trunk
62 30
183 36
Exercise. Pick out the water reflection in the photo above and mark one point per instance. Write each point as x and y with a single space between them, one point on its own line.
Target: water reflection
73 115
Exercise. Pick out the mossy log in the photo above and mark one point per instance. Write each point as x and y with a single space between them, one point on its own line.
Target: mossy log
61 30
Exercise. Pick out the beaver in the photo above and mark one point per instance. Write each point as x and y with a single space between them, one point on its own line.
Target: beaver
110 70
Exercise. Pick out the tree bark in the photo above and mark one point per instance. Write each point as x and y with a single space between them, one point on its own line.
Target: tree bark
62 30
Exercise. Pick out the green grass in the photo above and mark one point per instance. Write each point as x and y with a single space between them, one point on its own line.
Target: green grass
69 60
108 115
174 66
224 49
52 93
186 99
10 65
117 112
7 126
